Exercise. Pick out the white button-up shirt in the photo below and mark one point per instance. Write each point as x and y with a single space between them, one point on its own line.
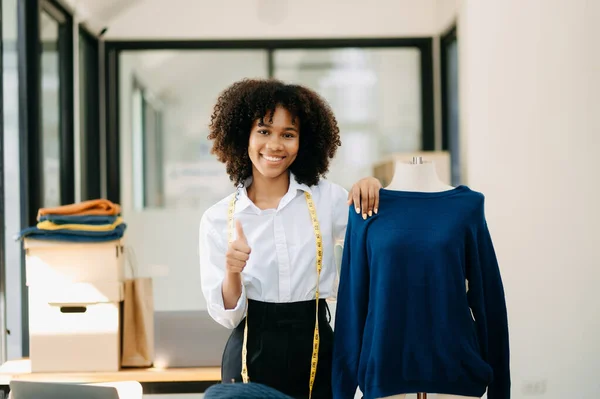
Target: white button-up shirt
282 264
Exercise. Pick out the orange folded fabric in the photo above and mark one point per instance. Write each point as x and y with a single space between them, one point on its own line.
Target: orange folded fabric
92 207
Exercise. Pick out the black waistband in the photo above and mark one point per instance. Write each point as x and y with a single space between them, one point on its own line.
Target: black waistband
296 314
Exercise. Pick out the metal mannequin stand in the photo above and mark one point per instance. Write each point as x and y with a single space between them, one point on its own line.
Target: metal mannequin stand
419 161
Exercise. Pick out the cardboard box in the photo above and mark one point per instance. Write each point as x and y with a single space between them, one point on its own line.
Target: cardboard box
75 327
52 263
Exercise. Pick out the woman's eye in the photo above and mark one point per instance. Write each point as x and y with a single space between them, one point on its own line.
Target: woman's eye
263 132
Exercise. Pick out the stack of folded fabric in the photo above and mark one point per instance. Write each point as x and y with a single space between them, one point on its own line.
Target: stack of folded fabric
88 221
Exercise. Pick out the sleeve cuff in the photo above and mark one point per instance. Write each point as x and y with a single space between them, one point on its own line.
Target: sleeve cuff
229 318
217 301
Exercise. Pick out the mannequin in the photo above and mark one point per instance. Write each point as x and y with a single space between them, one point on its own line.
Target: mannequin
419 176
409 322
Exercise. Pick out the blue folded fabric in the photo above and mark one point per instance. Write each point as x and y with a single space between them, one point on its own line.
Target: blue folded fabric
83 219
243 391
73 235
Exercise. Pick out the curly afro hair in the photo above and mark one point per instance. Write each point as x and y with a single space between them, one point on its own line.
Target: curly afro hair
249 100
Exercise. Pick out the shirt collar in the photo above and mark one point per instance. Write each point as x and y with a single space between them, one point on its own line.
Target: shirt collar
244 201
294 185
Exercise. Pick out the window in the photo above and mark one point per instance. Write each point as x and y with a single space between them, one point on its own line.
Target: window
10 264
56 64
169 104
381 92
89 112
50 109
375 95
381 95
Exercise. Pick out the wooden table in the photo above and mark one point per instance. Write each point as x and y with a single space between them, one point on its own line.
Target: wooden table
153 380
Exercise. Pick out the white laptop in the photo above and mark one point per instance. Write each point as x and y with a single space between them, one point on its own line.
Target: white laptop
55 390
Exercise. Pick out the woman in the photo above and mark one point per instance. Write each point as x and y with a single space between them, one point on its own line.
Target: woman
259 246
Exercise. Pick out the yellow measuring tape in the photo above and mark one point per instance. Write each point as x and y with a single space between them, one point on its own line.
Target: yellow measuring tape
319 241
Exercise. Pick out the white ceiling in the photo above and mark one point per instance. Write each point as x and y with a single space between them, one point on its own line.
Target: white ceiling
181 74
242 19
98 14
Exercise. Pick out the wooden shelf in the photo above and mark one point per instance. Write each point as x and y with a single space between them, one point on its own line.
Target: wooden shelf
21 370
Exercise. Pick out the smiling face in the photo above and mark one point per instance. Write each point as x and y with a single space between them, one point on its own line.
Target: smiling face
274 144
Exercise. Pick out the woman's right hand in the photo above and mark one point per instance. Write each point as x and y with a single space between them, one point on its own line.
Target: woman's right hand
238 252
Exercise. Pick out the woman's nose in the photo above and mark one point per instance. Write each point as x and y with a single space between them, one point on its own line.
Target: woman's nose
274 143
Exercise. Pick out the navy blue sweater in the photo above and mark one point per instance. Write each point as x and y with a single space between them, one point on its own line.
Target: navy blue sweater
405 322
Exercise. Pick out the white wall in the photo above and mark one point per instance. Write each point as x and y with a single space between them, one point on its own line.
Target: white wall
530 78
446 12
271 19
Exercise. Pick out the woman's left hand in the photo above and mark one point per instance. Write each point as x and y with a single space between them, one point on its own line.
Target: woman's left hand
365 196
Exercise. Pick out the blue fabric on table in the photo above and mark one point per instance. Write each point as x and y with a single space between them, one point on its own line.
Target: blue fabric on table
83 219
73 235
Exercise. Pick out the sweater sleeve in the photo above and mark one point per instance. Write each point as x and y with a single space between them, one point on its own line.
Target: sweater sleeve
487 301
351 311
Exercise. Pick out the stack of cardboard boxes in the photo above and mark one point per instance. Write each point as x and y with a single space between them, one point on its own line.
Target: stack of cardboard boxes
75 301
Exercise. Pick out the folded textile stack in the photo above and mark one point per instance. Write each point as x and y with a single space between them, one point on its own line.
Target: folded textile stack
88 221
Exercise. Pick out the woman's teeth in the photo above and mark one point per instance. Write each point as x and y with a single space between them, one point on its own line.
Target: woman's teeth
272 159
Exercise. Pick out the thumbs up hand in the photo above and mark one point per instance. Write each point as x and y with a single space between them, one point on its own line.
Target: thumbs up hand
238 252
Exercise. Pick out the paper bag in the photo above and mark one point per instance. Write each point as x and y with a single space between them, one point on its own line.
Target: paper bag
138 319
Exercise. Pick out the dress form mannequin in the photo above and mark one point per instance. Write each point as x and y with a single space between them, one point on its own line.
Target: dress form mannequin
419 176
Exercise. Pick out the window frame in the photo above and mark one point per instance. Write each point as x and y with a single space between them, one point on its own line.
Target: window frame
446 40
142 196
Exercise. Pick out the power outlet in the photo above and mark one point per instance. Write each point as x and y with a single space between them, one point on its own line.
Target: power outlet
534 387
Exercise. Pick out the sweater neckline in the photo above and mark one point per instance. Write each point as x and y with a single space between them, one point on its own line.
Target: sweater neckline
423 194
